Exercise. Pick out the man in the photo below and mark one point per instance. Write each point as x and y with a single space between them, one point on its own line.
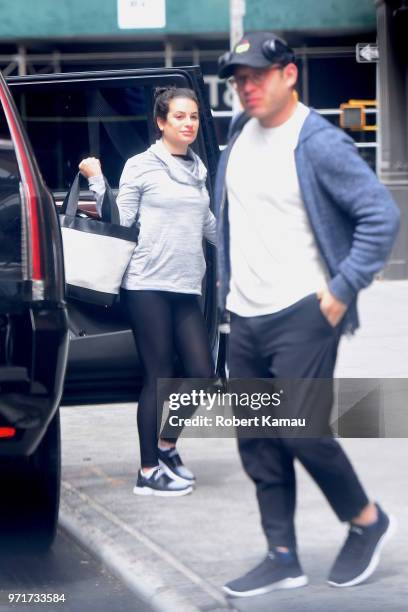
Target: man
303 225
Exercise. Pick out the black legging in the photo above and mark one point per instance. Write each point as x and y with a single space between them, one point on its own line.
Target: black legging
164 323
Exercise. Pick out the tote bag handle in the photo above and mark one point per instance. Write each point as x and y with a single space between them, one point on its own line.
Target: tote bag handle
110 212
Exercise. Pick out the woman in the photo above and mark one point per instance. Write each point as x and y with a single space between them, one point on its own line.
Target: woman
165 188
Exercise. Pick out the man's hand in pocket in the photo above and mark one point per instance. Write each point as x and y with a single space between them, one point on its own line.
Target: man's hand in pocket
332 308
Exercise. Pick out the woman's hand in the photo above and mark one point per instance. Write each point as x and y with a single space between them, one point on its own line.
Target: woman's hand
90 166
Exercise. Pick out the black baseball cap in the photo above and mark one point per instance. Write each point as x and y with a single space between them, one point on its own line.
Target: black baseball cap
257 50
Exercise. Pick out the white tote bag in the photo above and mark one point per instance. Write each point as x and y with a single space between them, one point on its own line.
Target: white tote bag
96 253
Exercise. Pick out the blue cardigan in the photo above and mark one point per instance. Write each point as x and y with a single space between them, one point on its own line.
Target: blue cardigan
352 215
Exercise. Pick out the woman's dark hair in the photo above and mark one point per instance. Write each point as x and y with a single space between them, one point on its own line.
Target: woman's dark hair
162 98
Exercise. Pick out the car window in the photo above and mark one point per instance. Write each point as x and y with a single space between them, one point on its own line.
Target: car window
10 212
69 121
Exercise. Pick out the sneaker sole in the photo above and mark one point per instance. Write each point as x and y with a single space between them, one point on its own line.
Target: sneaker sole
175 476
375 559
148 491
286 583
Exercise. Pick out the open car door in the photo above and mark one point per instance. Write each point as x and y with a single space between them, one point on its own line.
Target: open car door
107 115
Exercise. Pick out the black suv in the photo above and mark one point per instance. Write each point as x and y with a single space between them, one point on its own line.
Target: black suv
44 338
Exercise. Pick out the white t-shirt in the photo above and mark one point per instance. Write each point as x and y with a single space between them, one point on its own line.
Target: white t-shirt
274 258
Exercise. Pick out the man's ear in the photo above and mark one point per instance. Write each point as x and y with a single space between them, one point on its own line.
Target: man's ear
291 74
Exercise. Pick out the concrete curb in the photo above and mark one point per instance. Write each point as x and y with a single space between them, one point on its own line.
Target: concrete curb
84 519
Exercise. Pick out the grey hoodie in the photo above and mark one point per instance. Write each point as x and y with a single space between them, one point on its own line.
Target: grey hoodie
173 204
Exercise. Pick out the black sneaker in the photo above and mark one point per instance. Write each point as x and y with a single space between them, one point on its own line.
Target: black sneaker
171 463
160 484
276 571
360 554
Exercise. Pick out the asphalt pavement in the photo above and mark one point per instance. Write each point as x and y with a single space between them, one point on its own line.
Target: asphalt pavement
68 576
177 553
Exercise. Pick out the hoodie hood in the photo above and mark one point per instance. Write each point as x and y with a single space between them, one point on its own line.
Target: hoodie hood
314 123
191 174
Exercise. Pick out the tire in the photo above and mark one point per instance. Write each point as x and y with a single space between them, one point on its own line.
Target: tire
31 495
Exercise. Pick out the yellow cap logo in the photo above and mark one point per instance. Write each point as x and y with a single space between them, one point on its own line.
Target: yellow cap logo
243 47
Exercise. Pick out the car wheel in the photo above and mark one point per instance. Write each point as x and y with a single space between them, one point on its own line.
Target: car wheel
31 493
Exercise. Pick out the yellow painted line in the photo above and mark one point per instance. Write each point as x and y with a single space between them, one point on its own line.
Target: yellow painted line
99 472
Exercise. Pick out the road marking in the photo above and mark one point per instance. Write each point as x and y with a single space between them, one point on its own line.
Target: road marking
99 472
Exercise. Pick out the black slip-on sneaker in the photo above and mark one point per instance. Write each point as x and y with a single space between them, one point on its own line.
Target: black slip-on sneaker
276 571
171 463
360 554
160 484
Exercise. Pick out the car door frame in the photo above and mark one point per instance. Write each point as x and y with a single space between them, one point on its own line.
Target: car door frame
85 386
35 315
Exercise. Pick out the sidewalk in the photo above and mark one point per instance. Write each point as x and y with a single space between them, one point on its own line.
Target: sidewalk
178 553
